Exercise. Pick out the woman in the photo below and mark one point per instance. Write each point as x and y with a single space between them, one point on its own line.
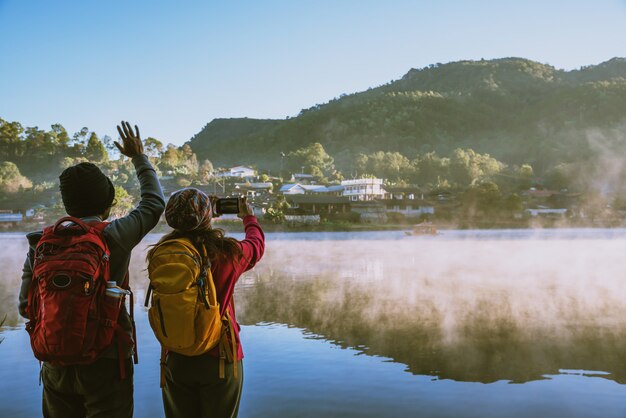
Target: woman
193 386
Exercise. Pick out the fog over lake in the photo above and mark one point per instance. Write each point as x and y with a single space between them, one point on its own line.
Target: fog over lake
465 324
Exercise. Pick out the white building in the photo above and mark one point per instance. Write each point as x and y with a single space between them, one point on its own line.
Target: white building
292 189
363 189
240 171
297 188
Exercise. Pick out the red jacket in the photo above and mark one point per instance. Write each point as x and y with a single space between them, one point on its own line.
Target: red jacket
225 275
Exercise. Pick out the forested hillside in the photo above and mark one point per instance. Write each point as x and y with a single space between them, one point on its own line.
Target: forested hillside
518 111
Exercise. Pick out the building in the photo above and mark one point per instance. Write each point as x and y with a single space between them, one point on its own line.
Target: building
370 211
254 189
408 201
303 178
297 188
240 171
7 217
318 204
292 188
409 208
363 189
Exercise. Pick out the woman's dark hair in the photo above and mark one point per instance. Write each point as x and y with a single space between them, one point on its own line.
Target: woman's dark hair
219 248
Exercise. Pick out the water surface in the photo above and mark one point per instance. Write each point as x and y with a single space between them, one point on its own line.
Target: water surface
466 324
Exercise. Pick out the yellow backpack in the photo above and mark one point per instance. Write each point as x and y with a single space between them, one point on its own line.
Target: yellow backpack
184 313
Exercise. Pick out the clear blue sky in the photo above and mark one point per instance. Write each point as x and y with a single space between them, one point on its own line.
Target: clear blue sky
172 67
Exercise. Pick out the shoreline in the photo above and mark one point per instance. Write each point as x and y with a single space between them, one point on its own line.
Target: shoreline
236 226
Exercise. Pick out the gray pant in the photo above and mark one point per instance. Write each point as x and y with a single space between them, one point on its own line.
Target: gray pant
193 388
93 390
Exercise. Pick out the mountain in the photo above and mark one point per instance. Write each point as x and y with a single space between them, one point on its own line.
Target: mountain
517 110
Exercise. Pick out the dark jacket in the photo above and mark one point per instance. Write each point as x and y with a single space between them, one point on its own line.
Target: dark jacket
122 235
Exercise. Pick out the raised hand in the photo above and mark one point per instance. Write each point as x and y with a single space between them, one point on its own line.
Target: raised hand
131 140
245 208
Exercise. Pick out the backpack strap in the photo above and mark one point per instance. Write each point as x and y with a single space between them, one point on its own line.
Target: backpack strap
228 351
162 364
123 340
206 286
72 219
131 303
146 301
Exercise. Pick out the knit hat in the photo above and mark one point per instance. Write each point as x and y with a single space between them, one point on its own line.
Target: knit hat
189 210
85 190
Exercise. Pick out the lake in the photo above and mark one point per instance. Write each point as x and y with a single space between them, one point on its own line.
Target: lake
515 323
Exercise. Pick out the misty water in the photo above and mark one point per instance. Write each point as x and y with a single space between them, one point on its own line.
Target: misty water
379 324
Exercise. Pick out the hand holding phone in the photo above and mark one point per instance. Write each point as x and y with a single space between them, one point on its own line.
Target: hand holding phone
244 208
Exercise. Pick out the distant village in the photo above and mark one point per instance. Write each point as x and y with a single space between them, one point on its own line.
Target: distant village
301 200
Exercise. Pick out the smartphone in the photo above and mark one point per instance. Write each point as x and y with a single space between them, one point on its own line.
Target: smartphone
226 205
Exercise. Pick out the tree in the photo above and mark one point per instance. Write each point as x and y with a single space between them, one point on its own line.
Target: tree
513 203
39 143
123 203
10 134
95 150
467 167
189 162
170 159
561 176
430 169
61 136
390 165
152 147
11 180
205 172
525 176
79 140
313 159
110 147
483 198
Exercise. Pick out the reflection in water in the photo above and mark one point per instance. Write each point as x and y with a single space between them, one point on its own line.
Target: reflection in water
486 344
12 257
468 311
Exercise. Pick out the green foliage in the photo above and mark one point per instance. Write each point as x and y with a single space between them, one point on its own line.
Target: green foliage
152 147
95 150
123 203
205 172
388 165
10 136
11 180
513 203
170 159
525 175
518 111
482 199
311 159
274 215
183 162
468 167
561 176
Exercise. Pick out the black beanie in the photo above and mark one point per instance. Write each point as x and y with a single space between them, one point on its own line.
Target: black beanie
85 190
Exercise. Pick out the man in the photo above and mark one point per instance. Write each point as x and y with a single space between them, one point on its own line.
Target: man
98 389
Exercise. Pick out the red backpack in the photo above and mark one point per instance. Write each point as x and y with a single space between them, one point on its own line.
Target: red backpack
72 307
